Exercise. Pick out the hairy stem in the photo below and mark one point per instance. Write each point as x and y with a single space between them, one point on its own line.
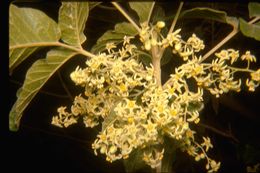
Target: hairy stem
121 10
157 70
156 61
227 38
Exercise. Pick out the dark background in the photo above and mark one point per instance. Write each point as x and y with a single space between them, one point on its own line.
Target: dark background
39 146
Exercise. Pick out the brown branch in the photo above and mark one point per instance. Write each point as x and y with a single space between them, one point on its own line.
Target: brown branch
55 134
227 134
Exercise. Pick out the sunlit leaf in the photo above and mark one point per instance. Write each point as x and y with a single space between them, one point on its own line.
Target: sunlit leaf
142 9
254 9
72 20
250 30
39 73
29 29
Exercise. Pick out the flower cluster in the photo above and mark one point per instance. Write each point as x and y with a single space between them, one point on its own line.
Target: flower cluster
136 112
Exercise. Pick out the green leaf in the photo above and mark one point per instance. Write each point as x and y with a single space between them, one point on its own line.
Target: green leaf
208 13
135 161
116 36
142 9
39 73
72 20
250 30
254 9
29 29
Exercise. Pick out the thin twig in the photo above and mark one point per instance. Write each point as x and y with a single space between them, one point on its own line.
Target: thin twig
175 18
106 7
227 38
41 91
150 13
227 135
56 134
126 16
64 86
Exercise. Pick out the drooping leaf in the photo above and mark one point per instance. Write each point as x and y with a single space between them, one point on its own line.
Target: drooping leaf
36 77
72 20
250 30
210 14
29 29
115 36
142 9
135 161
254 9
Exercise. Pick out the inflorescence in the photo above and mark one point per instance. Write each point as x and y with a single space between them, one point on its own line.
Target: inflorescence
137 113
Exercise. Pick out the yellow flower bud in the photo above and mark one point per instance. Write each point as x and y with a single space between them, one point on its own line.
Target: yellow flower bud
160 24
